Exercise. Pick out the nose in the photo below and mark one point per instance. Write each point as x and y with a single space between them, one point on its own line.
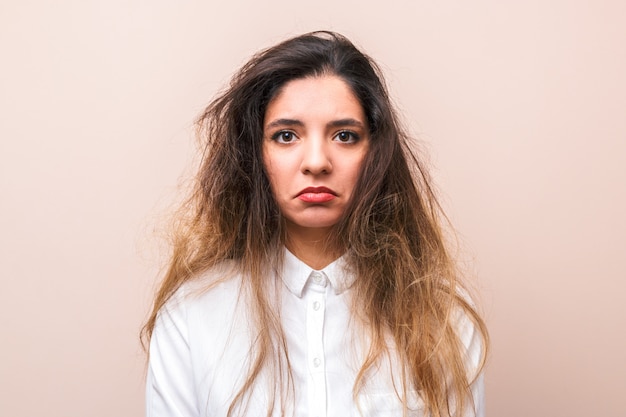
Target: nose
316 158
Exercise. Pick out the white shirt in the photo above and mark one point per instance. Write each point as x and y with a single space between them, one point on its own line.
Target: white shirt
199 351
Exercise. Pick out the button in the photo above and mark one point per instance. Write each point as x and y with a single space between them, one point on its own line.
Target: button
316 305
317 277
317 362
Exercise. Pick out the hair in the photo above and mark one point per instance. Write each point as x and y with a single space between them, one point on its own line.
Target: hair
407 288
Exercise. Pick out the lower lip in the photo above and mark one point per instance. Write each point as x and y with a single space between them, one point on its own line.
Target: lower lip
316 197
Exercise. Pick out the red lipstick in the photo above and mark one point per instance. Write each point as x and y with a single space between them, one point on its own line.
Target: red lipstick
316 195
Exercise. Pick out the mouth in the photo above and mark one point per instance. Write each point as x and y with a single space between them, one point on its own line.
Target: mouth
316 195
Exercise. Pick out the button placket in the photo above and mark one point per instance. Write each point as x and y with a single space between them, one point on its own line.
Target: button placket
316 307
315 330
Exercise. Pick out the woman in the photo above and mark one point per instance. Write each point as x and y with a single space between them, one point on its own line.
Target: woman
309 274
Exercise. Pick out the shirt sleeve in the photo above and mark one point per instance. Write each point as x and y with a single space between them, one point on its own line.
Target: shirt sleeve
478 392
473 344
169 387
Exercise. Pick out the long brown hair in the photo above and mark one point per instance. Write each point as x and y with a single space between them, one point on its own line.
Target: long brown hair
407 285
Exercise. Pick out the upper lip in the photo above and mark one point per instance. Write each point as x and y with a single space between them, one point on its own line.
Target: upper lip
316 190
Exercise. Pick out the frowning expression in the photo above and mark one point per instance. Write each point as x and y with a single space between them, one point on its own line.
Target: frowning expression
315 138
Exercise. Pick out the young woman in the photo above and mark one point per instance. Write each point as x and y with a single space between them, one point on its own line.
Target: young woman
309 274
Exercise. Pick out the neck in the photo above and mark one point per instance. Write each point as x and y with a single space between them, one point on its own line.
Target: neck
311 246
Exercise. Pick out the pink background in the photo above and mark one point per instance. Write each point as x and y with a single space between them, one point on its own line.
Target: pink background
522 106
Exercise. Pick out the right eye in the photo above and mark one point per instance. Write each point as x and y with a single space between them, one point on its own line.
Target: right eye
284 136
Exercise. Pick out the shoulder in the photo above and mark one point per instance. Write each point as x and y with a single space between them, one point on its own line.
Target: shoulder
215 289
471 332
195 304
201 315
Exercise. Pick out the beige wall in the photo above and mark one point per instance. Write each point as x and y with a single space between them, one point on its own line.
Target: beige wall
523 107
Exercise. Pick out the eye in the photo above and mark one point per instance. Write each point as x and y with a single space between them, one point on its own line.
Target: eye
284 136
346 136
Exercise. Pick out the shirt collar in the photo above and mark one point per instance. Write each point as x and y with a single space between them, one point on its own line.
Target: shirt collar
296 274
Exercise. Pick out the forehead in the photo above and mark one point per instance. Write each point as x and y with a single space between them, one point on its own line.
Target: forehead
322 97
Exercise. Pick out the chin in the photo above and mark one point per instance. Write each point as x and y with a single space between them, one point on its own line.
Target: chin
314 223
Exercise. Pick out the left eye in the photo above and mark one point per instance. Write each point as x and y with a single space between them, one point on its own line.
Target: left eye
346 136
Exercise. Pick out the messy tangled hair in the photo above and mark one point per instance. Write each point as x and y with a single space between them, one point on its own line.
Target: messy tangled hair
407 285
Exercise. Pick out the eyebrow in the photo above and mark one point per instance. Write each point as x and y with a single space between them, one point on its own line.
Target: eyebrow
284 122
334 123
346 122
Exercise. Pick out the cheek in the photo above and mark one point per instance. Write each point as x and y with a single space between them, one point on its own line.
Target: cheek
273 173
268 166
355 170
357 166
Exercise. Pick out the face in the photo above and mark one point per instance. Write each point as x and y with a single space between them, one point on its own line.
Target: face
315 138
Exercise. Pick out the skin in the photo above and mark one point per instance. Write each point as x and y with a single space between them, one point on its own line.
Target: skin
315 134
